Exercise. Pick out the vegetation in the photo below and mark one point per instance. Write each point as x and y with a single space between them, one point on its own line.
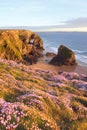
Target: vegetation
29 99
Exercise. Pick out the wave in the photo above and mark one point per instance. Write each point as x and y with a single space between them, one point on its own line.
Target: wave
84 56
81 52
51 49
81 58
55 49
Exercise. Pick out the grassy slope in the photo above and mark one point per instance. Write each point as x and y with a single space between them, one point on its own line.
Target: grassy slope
49 100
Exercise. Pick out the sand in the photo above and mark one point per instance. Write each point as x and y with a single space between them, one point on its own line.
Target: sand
43 64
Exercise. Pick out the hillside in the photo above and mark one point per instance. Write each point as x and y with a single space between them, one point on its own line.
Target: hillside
35 99
15 45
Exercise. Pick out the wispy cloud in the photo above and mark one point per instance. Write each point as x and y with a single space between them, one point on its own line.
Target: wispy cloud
73 23
79 22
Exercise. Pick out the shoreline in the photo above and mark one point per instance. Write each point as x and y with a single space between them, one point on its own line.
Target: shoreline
43 64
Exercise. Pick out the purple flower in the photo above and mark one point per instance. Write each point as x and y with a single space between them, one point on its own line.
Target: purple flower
8 111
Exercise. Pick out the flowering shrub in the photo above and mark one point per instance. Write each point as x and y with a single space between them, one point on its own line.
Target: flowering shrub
58 79
32 100
10 114
57 85
51 100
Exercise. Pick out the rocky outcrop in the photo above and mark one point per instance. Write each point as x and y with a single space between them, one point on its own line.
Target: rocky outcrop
16 45
65 56
50 54
32 56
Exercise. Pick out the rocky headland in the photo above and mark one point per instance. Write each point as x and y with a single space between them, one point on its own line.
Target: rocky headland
20 45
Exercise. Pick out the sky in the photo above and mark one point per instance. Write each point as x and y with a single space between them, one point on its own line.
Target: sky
57 14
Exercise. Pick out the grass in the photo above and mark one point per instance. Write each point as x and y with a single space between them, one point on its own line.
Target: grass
72 90
83 126
16 82
82 100
11 96
9 45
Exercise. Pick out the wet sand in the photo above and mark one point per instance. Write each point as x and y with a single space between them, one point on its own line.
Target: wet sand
43 64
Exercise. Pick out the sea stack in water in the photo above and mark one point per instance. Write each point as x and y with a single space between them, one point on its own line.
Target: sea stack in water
65 56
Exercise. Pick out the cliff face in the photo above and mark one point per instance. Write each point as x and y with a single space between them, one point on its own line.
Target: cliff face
16 45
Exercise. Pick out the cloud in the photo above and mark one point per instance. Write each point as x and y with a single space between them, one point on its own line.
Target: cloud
74 23
79 22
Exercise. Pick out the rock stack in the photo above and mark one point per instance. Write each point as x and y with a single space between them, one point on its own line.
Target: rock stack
65 56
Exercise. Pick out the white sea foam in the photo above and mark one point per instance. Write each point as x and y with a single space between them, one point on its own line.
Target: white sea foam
78 51
54 49
85 57
81 58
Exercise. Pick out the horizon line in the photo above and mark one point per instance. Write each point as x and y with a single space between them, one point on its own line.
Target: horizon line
53 28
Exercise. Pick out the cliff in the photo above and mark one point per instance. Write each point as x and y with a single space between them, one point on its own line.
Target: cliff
16 45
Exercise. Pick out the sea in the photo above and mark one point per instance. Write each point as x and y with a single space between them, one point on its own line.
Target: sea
76 41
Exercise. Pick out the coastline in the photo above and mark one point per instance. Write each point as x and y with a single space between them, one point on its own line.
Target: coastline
43 64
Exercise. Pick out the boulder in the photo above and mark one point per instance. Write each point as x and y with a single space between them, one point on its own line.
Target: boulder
65 56
50 54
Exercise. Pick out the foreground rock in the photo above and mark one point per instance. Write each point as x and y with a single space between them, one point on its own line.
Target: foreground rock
65 56
20 45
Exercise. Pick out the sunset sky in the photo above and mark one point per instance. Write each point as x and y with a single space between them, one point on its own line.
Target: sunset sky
57 14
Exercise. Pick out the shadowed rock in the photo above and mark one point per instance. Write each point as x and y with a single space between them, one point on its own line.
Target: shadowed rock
65 56
50 54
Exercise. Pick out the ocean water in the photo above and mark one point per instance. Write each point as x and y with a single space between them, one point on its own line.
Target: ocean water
77 41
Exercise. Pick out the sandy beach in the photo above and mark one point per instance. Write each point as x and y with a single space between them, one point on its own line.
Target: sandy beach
43 64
